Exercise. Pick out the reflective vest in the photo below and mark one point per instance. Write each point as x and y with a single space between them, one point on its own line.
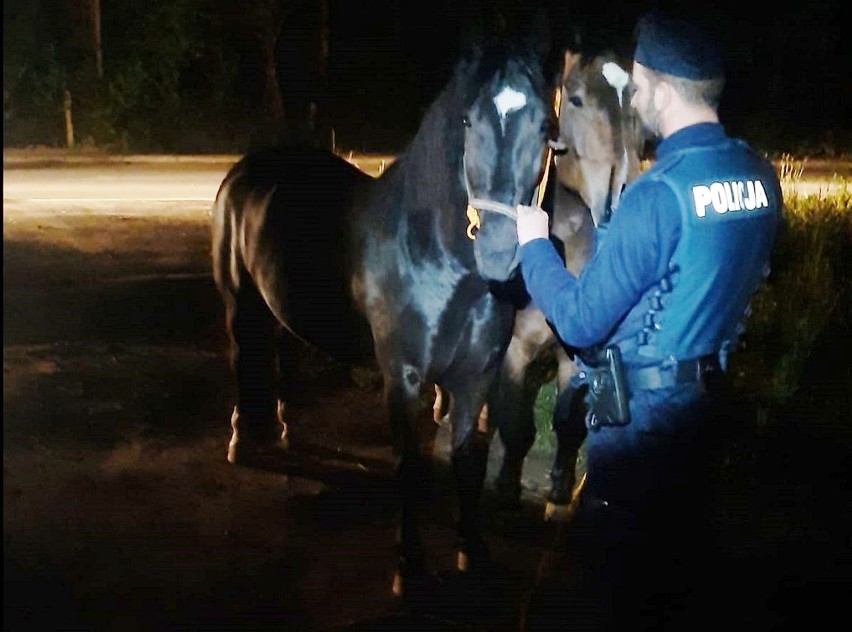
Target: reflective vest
730 204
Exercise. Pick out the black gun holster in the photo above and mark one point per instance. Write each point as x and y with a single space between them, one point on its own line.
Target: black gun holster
608 396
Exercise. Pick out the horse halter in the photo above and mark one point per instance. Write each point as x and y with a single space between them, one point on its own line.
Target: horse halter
475 204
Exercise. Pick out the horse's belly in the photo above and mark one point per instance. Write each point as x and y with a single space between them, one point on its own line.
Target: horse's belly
320 311
293 210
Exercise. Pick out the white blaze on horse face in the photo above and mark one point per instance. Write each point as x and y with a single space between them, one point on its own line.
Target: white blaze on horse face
507 101
617 77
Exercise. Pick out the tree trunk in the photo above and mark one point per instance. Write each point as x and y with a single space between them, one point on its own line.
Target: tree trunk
271 89
322 70
324 39
96 37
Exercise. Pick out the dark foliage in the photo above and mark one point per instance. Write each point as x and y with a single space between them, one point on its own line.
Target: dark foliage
219 75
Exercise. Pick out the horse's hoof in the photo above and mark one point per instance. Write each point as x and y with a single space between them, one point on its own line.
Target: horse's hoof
261 454
282 425
407 586
473 558
554 512
564 495
409 575
463 562
508 490
562 512
398 587
507 497
558 496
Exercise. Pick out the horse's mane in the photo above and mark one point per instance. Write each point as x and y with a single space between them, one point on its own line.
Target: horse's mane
430 164
594 40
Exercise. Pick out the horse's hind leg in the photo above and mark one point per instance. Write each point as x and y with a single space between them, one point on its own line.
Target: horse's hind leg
288 352
252 330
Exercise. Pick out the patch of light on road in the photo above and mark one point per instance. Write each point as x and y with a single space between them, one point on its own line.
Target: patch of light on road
51 200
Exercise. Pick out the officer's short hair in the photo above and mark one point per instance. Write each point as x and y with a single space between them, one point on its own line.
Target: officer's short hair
696 91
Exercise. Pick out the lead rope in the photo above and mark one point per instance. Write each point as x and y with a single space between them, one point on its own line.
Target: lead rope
549 555
475 204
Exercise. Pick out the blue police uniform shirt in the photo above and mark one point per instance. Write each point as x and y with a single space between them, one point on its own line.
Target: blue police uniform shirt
683 254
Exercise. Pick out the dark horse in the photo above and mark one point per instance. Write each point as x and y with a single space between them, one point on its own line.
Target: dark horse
602 141
383 271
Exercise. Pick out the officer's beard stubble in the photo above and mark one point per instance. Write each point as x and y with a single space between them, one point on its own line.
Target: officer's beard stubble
650 118
648 115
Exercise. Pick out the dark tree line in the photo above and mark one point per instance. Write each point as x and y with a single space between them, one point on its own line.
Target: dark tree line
196 75
226 75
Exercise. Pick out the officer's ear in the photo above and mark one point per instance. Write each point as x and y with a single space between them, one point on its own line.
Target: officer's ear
664 94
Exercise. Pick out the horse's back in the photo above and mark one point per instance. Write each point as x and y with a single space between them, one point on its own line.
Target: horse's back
281 223
308 178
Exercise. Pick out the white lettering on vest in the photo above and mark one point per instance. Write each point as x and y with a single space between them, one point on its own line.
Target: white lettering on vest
749 201
761 200
740 186
729 196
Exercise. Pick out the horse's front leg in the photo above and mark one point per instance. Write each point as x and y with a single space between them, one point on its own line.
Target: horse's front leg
402 390
470 462
511 402
511 413
569 427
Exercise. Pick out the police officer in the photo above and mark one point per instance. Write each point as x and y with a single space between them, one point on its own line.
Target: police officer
667 290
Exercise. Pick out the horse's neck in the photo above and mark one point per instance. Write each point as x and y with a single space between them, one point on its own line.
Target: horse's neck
433 178
573 226
433 160
417 186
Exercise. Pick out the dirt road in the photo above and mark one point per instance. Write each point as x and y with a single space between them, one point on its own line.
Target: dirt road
121 512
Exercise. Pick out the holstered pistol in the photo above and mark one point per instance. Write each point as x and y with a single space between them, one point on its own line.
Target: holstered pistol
609 396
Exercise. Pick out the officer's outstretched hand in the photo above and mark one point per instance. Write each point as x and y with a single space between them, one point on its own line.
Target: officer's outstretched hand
532 224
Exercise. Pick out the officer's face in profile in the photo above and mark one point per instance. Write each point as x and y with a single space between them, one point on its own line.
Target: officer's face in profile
644 84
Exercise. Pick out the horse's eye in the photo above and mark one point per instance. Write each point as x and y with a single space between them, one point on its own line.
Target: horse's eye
465 121
576 101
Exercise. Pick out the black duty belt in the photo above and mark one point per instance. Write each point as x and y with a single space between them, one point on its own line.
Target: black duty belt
671 373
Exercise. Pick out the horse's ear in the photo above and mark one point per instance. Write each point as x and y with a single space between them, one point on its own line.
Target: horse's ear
467 62
472 38
541 35
575 38
473 41
473 53
570 60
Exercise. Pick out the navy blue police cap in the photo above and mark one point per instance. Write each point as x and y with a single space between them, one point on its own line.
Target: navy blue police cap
676 46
